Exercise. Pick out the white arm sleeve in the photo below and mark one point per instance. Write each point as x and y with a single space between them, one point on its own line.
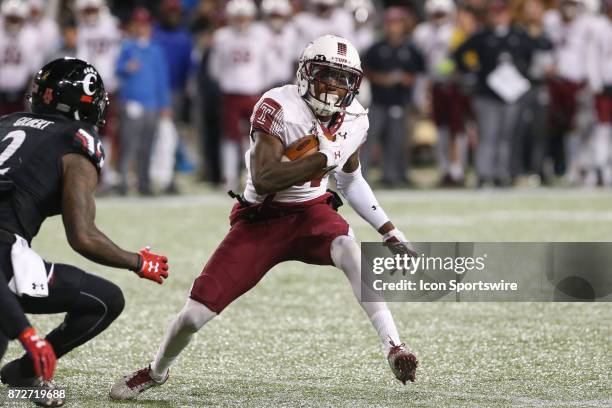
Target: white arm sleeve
360 196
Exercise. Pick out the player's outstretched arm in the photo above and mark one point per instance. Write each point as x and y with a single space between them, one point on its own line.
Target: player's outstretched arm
78 213
271 175
360 196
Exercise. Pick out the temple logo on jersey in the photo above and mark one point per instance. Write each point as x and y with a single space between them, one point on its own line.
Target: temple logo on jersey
269 116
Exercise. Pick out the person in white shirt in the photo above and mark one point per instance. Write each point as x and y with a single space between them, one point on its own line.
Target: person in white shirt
569 29
240 63
19 55
99 43
277 18
433 38
47 29
600 81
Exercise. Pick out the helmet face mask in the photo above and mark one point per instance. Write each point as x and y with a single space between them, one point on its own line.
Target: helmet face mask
71 88
329 75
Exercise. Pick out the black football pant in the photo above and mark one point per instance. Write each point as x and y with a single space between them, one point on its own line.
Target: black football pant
91 304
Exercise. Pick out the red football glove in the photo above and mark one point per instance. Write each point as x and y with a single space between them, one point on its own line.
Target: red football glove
152 266
40 351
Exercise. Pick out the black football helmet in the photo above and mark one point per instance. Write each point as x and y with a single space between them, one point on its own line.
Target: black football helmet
72 88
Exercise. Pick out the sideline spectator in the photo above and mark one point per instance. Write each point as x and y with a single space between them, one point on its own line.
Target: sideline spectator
144 93
434 37
240 63
46 28
391 66
19 55
99 42
284 43
530 149
504 53
176 42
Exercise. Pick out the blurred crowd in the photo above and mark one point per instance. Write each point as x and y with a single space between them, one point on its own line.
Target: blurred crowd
509 91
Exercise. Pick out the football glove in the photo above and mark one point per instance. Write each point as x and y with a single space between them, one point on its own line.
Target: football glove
41 352
152 266
397 243
331 150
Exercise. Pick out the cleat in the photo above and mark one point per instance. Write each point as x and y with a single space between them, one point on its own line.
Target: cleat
402 362
130 386
48 400
12 376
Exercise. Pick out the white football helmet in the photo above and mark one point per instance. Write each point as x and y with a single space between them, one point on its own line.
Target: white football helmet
14 8
84 4
439 6
240 8
334 62
276 7
362 10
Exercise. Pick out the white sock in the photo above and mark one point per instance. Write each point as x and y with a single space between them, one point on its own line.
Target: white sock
346 254
230 160
178 335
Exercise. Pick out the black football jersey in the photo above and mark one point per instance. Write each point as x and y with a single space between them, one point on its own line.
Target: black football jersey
31 149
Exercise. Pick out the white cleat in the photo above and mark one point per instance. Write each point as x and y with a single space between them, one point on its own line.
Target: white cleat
403 363
128 387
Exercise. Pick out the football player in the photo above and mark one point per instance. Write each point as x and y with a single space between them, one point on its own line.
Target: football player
434 39
50 160
600 81
239 61
19 56
569 28
286 212
283 40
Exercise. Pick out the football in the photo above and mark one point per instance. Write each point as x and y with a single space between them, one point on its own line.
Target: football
305 146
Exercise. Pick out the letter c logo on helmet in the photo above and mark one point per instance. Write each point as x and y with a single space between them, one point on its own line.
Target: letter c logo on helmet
89 78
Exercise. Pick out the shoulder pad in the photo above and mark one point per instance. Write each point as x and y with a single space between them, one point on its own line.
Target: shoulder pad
87 142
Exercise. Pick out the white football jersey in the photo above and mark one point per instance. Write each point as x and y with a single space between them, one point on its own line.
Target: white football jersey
283 113
284 54
19 58
240 61
433 41
48 35
100 45
600 54
571 41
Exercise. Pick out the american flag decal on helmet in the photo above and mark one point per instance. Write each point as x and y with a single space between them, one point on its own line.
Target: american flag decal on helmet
342 49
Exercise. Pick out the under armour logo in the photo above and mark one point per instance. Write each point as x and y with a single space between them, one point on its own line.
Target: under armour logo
374 208
336 155
342 134
35 285
153 267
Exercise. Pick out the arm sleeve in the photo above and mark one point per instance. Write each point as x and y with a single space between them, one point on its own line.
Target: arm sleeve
360 196
12 319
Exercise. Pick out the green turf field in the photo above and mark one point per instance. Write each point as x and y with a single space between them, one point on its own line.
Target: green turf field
300 339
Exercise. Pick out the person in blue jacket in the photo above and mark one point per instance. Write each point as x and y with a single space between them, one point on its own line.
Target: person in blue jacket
144 94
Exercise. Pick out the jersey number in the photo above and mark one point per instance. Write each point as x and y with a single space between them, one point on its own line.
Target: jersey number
17 136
